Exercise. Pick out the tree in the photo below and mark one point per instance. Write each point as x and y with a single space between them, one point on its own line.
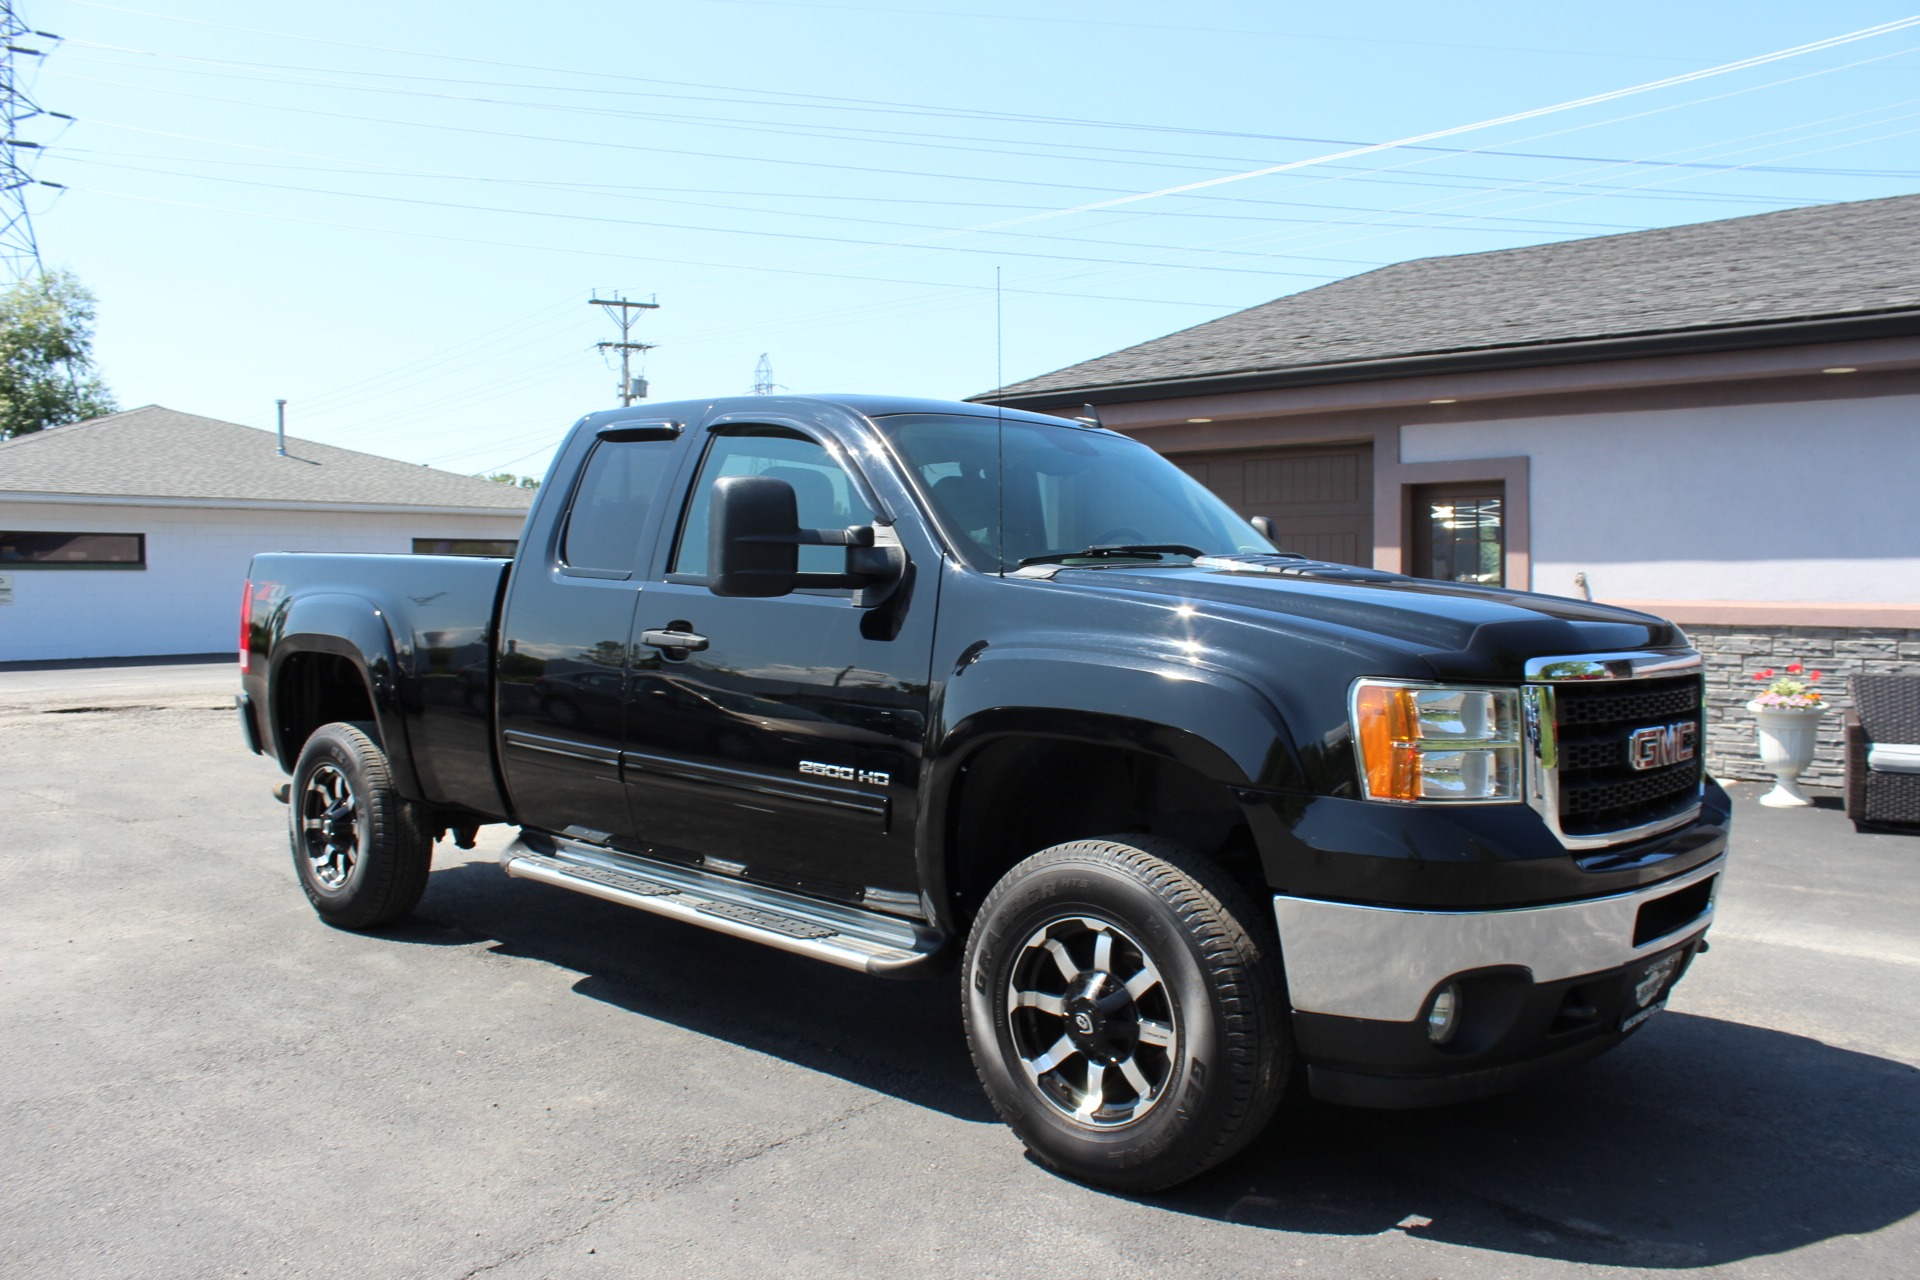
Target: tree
46 355
521 482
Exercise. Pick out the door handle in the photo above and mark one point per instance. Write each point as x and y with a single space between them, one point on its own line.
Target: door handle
673 640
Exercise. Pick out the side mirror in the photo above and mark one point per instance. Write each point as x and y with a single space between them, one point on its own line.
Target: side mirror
753 537
1264 527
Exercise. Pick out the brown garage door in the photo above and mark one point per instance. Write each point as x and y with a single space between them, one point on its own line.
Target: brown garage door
1320 499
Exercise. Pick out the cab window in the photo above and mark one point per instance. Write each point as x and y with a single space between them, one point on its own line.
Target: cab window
825 494
617 490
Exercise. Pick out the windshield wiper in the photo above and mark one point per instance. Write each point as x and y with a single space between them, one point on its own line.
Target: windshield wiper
1131 550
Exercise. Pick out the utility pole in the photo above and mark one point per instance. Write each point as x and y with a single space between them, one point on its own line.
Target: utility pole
17 243
622 311
763 383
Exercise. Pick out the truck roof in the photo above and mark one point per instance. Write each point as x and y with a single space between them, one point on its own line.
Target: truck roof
871 406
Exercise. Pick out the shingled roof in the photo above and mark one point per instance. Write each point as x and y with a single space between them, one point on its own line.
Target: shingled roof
1728 283
162 454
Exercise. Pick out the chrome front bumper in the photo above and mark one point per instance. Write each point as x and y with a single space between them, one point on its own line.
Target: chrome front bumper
1383 963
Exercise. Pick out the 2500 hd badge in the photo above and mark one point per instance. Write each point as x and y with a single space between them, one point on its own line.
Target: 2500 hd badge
846 773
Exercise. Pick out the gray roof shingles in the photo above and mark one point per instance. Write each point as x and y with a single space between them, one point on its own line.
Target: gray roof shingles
1857 258
155 452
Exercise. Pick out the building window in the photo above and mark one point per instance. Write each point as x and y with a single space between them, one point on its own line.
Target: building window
43 550
464 547
1459 533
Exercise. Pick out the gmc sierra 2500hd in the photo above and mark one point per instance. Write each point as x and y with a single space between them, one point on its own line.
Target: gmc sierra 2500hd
893 682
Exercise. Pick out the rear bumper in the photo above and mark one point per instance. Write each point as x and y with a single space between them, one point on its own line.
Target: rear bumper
1540 987
249 727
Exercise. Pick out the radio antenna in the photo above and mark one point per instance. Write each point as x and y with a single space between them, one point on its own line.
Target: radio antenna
999 427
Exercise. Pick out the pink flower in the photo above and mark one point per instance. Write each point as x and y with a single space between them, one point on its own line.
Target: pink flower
1813 675
1793 668
1764 675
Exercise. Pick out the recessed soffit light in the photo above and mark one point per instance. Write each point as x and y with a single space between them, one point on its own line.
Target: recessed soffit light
1199 419
1843 368
1445 401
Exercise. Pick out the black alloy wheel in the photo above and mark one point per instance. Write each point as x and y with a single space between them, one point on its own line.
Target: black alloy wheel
328 826
1091 1019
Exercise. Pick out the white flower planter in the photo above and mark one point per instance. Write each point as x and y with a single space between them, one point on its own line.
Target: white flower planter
1788 736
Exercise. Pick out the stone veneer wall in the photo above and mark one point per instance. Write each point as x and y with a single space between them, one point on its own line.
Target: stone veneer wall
1734 653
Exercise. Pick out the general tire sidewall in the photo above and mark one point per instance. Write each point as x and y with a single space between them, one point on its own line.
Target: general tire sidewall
1200 1085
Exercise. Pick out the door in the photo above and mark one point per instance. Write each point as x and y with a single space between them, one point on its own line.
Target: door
785 749
564 660
1320 498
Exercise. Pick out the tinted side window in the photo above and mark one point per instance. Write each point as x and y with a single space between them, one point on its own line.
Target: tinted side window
827 498
610 507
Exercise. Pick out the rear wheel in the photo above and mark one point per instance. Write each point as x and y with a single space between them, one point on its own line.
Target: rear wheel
362 851
1125 1010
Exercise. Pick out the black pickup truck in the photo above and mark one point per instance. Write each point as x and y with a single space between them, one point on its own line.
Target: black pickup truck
902 683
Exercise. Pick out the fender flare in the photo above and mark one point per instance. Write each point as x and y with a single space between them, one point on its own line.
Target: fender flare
354 628
1205 719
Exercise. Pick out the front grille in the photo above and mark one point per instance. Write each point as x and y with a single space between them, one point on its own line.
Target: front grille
1599 789
1587 704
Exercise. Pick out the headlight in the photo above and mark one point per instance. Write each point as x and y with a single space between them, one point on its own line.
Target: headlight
1436 742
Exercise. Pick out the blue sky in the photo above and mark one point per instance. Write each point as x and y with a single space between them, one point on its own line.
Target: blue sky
392 215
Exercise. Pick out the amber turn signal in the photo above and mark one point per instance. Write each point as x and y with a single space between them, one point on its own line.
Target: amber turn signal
1389 746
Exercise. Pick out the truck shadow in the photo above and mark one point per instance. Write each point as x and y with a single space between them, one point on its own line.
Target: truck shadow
1701 1142
899 1038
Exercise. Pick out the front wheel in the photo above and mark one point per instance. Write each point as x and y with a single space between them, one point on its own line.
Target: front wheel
361 849
1125 1011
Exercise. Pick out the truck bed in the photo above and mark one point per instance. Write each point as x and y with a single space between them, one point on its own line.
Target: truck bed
440 614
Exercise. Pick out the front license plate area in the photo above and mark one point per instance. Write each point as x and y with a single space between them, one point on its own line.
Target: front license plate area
1639 1016
1651 986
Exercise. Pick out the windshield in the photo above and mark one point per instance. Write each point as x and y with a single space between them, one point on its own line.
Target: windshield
1067 490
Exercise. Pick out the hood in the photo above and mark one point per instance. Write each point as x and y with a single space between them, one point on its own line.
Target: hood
1456 630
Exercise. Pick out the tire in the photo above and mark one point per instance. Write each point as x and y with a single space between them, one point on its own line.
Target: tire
362 852
1184 997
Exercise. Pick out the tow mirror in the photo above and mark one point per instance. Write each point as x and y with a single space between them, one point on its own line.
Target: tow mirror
754 539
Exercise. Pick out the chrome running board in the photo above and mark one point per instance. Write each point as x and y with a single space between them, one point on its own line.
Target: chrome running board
843 935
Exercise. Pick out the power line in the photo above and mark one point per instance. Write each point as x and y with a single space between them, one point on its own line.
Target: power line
1515 117
923 242
772 97
1122 155
855 242
629 257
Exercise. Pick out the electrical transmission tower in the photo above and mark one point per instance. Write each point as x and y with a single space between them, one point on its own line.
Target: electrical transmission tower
763 383
17 243
622 311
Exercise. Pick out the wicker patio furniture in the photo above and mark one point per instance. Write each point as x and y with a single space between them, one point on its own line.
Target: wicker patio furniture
1883 751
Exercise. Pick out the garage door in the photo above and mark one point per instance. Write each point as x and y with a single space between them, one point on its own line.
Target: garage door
1320 499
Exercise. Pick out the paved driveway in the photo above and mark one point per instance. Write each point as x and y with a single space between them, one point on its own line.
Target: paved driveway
201 1079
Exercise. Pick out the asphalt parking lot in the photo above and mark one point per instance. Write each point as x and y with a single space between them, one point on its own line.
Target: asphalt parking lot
199 1078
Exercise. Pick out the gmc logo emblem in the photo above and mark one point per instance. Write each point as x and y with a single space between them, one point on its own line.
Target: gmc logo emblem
1662 745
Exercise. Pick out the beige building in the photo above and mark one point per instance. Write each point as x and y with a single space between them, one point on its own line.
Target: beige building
1719 423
